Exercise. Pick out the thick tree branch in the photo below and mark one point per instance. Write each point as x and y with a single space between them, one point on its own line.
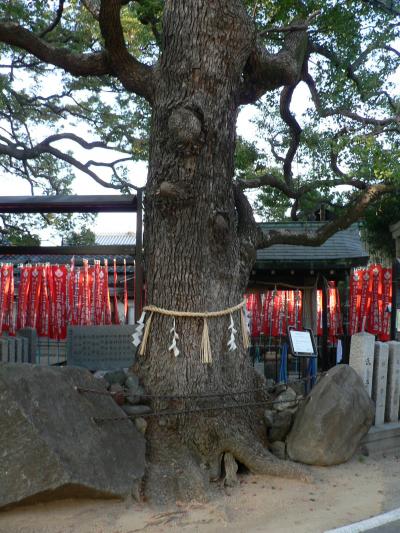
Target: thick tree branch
135 76
249 234
294 128
269 180
90 64
350 216
386 7
273 146
92 9
265 72
292 27
340 111
56 20
350 68
16 150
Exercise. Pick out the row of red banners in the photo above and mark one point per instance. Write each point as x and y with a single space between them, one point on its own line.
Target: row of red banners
370 301
273 312
51 297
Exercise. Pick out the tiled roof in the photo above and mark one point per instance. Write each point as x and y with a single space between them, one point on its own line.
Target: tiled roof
106 239
342 246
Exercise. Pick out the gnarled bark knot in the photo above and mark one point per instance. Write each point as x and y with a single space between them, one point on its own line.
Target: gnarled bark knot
185 127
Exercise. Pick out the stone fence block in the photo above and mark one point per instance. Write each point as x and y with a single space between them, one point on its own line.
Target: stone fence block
101 347
32 339
379 380
393 383
362 349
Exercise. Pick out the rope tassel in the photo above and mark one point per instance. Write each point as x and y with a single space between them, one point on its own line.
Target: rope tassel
205 351
146 335
245 331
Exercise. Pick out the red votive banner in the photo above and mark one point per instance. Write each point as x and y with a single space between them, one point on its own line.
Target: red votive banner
50 297
272 311
370 301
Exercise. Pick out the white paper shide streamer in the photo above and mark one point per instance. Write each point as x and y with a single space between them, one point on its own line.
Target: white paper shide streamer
143 328
137 336
174 348
232 342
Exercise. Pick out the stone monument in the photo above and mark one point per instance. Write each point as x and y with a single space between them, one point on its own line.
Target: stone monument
379 380
362 357
393 382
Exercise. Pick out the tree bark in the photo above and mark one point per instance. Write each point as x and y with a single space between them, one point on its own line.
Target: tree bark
193 252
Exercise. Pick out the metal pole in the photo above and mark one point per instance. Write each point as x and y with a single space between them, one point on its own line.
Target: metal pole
139 256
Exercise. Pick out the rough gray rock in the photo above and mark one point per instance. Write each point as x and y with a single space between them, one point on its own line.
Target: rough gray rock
286 400
231 468
136 409
141 425
51 446
134 390
132 382
278 448
269 416
282 422
117 376
331 422
116 387
135 397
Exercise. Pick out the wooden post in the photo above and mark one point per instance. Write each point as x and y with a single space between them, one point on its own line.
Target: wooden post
139 256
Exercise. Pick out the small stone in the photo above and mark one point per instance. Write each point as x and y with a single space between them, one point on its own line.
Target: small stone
116 387
278 448
141 425
231 468
131 410
281 426
118 376
269 415
135 396
279 387
99 374
286 400
118 393
132 382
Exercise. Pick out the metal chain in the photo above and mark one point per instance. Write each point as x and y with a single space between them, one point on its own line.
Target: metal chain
189 396
197 410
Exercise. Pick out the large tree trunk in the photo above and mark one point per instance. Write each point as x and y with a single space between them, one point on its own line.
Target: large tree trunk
193 255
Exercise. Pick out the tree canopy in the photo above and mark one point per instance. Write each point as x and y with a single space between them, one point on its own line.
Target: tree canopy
165 80
68 102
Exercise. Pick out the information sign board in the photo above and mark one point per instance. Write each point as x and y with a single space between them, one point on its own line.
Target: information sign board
302 343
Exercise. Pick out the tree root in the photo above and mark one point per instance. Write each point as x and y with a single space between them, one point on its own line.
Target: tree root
259 460
173 472
179 471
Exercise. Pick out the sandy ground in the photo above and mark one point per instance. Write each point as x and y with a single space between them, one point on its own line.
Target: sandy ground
338 495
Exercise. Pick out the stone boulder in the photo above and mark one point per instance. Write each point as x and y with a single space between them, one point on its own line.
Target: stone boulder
281 424
332 420
52 447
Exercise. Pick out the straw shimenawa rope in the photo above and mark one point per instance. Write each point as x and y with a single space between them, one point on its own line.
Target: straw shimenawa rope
205 350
